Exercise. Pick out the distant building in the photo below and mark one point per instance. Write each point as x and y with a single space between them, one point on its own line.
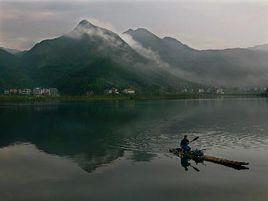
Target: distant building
219 91
45 92
13 91
25 91
37 91
90 93
108 91
115 91
111 91
129 91
185 90
17 91
201 91
53 92
6 91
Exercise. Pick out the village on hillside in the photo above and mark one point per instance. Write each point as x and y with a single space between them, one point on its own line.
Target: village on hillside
54 92
35 91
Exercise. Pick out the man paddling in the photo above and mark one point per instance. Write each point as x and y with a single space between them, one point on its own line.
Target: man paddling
185 144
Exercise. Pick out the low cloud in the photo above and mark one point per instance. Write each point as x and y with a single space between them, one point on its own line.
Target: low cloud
103 24
146 52
203 24
95 31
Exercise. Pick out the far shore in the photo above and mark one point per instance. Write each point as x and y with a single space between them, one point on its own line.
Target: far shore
65 99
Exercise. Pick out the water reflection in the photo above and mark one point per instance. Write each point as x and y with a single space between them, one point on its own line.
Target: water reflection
142 156
187 162
94 134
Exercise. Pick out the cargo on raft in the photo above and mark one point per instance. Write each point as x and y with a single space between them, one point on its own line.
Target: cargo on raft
199 157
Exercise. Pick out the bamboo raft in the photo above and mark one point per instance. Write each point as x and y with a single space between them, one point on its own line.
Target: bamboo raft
238 165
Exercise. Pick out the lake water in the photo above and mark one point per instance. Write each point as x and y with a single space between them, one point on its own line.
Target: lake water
119 151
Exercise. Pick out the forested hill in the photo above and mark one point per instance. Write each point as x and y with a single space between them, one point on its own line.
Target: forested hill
93 58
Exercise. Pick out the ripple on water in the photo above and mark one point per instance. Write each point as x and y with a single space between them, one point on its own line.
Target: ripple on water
212 139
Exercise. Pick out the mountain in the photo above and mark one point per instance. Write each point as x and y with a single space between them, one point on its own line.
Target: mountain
90 57
93 58
12 75
150 40
11 51
229 67
260 47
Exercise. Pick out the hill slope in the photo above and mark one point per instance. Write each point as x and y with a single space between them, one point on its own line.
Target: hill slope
230 67
12 75
11 51
260 48
90 57
94 58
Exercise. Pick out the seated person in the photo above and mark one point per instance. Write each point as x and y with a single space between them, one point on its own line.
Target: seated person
185 144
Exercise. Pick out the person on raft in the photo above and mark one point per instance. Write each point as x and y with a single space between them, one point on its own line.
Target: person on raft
185 144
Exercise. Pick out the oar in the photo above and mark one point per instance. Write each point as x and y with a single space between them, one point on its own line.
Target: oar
195 168
195 139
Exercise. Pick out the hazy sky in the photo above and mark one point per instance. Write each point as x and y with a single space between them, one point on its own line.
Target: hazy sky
202 24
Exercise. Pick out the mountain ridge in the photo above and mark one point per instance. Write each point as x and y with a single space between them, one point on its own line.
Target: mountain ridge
234 67
92 53
11 51
263 47
94 58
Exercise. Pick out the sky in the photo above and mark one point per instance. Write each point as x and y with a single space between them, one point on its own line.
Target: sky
201 24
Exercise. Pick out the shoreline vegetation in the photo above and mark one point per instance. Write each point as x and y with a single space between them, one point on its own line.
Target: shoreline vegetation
68 99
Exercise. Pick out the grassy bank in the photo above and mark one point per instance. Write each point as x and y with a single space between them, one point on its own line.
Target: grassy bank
62 99
49 99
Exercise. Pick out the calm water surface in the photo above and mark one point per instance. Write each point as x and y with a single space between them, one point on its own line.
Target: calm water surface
119 151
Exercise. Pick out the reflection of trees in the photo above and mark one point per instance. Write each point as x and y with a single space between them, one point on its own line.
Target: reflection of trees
90 134
97 133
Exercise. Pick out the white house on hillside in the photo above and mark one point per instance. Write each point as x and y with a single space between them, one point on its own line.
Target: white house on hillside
129 91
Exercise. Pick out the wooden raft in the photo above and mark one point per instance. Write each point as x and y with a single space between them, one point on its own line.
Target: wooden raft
229 163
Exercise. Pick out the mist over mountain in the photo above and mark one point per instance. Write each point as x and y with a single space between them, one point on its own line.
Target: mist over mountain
93 58
9 50
260 47
229 67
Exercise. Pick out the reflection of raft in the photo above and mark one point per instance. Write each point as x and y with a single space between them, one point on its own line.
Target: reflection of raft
198 157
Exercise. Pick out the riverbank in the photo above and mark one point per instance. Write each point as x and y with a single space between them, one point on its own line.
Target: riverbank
66 99
59 99
63 99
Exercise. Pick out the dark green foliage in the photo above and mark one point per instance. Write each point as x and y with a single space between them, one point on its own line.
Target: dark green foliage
93 58
98 76
78 62
12 73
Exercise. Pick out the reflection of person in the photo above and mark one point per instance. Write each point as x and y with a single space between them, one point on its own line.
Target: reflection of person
185 144
185 163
